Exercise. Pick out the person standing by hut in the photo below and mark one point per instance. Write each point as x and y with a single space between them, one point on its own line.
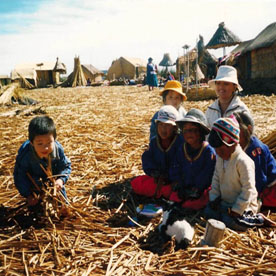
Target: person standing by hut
227 87
152 80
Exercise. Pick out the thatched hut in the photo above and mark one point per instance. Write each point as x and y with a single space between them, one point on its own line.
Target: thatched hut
201 56
39 74
256 62
127 68
222 38
92 73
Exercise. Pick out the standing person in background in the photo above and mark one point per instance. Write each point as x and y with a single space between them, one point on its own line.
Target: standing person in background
171 95
226 86
152 80
265 163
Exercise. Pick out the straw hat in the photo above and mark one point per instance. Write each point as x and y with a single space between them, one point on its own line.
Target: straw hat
176 86
167 114
226 73
195 115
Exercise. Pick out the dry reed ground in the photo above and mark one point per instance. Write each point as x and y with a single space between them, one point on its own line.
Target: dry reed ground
104 131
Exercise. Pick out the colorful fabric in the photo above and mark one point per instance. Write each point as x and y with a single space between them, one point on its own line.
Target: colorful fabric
268 196
146 186
228 130
27 161
213 111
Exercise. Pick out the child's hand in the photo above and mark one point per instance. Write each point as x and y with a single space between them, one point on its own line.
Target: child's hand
59 184
31 200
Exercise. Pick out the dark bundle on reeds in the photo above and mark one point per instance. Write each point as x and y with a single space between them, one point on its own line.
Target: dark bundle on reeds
76 78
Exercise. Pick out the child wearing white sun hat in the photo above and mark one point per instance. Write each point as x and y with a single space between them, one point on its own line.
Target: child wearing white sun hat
159 157
227 86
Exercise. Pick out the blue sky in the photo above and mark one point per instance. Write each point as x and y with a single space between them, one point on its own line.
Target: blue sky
99 31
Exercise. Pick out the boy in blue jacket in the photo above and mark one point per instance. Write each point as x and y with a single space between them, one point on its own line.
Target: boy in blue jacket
39 157
195 162
159 157
265 164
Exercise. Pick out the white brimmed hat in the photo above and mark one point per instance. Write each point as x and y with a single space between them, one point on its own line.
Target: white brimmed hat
167 114
226 73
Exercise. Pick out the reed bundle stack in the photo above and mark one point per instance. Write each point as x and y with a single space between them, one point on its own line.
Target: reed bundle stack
104 131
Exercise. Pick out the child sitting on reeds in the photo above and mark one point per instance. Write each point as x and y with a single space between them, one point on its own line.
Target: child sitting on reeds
195 162
265 164
158 158
233 195
171 95
38 158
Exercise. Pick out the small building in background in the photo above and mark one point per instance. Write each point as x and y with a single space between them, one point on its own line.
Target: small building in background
255 61
127 68
92 73
42 74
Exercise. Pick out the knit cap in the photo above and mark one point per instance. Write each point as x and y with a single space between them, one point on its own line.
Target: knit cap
228 130
167 114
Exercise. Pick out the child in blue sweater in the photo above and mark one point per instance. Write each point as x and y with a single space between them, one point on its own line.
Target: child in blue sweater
39 156
159 157
265 164
195 162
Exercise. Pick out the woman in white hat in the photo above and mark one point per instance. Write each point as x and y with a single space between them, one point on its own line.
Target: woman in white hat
226 85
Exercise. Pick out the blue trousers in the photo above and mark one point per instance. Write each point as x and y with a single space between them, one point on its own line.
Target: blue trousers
221 214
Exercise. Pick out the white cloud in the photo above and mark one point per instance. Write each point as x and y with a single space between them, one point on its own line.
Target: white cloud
101 31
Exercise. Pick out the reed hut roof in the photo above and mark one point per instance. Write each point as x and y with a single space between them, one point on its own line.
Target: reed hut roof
166 61
28 70
264 39
60 67
241 46
223 37
93 70
203 54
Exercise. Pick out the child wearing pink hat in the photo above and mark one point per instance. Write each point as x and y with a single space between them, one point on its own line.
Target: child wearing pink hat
159 157
233 195
226 86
